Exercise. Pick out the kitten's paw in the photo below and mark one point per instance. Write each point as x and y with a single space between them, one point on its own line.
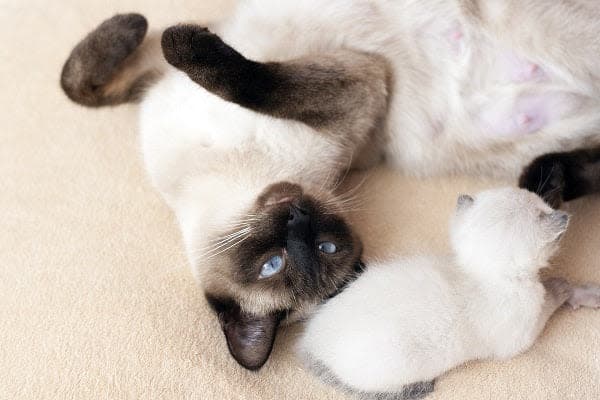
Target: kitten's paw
559 288
186 45
545 176
95 60
585 296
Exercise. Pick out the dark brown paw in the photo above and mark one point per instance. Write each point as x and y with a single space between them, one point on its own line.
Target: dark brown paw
545 176
95 60
190 46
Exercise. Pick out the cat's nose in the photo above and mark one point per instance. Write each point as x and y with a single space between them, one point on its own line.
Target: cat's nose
298 217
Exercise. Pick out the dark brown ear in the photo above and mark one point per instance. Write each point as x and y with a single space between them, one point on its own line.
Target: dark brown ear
249 337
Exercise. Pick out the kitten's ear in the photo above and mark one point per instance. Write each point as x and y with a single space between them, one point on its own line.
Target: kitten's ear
464 201
249 337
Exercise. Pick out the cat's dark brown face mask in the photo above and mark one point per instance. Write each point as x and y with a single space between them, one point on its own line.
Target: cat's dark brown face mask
298 251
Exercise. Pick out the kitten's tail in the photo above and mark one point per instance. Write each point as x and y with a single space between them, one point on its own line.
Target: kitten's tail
113 64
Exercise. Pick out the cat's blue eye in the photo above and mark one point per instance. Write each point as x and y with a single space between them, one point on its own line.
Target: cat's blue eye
271 267
327 247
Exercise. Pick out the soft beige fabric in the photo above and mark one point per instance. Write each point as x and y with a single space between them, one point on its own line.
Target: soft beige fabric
96 300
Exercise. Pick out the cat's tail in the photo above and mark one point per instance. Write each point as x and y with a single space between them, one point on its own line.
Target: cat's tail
114 63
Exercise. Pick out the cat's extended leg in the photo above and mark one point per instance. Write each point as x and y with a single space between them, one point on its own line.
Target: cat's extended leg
345 91
114 63
559 177
559 292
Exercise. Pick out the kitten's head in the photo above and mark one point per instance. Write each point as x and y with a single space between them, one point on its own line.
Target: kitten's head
506 231
296 251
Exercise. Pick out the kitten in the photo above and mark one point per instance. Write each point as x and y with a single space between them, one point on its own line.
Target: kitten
403 323
566 176
293 93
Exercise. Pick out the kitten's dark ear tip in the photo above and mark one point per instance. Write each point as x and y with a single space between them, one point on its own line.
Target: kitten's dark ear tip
464 200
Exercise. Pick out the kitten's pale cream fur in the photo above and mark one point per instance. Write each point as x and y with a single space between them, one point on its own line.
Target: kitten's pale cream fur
412 319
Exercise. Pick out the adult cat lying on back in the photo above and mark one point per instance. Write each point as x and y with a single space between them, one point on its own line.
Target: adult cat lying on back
434 86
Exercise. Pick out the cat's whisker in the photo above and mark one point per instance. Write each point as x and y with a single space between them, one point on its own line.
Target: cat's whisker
227 248
547 179
236 233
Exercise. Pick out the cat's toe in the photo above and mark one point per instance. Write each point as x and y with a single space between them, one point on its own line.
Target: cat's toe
188 44
545 177
585 296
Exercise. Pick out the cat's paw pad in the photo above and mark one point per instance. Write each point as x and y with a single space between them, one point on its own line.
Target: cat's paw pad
559 288
191 44
585 296
546 177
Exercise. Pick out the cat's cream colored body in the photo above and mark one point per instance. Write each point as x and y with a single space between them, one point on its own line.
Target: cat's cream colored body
479 87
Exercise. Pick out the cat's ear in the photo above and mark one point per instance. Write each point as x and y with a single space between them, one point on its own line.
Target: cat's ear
464 201
249 337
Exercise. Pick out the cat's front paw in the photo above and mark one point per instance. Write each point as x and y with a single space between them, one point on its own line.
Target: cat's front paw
545 176
585 296
188 45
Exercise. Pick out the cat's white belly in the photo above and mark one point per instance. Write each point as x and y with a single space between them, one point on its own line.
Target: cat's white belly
465 97
479 104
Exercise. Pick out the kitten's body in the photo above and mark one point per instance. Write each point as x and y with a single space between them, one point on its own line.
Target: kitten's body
411 320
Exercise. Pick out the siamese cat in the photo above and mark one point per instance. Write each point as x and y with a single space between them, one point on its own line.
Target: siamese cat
248 124
404 322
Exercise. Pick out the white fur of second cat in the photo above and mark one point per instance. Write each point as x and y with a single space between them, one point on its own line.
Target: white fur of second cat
412 319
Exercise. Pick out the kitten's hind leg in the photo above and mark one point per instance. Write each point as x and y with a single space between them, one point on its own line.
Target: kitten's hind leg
344 91
113 64
559 177
412 391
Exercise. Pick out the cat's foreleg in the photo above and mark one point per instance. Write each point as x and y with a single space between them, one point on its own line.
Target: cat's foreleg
559 177
114 63
345 91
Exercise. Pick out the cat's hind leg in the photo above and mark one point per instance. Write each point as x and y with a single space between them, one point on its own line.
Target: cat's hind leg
114 63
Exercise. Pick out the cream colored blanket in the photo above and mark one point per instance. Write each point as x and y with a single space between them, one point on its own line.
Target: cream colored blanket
96 299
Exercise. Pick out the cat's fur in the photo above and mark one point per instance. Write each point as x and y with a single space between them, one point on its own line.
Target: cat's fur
565 176
436 86
412 319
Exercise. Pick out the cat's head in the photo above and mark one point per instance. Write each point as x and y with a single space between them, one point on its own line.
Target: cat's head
293 250
506 231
